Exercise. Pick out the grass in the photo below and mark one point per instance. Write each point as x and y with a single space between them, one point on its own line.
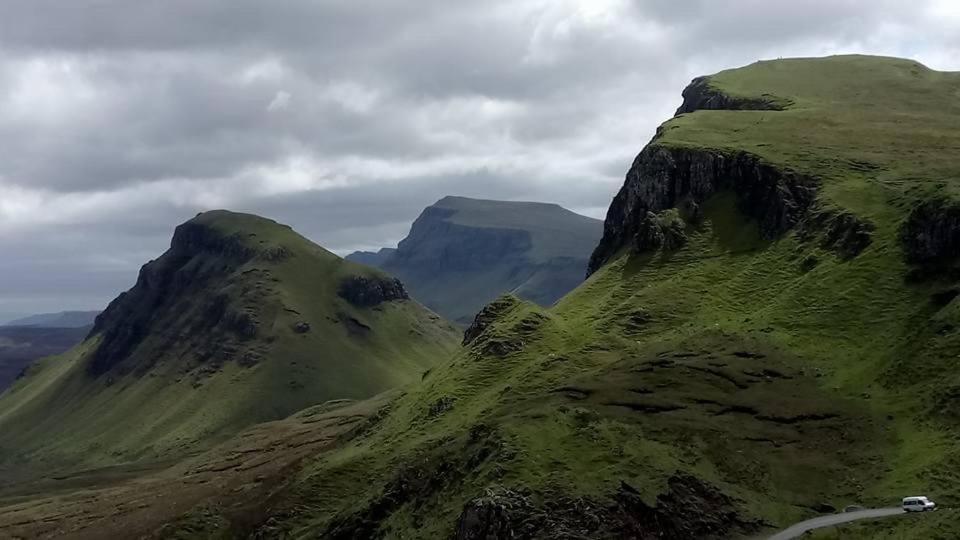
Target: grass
166 400
584 446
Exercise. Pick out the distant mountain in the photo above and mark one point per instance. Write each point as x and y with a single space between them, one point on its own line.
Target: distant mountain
463 253
372 258
241 321
21 345
63 319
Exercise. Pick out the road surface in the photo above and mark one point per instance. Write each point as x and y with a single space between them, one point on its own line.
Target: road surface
835 519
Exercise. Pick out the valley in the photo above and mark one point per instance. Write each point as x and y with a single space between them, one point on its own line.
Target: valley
241 321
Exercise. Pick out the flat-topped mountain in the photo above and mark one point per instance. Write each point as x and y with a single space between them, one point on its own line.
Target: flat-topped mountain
241 321
22 345
462 253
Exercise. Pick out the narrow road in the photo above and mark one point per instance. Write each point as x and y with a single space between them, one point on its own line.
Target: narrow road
835 519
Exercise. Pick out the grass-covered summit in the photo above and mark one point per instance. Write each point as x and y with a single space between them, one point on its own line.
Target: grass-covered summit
462 253
241 321
867 139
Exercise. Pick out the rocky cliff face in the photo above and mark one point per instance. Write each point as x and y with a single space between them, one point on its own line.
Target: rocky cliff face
179 296
437 244
664 178
931 234
699 95
363 291
487 316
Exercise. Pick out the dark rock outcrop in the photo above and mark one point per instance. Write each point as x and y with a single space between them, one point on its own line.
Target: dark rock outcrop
690 508
169 287
301 327
663 178
700 95
487 316
931 233
364 291
498 513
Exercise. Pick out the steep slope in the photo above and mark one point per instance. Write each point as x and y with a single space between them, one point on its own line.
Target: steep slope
765 333
462 253
240 321
20 346
62 319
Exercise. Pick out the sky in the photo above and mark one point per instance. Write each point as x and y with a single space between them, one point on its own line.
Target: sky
344 119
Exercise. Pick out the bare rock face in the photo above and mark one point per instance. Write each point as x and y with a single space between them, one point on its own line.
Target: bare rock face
173 285
363 291
690 508
931 234
663 178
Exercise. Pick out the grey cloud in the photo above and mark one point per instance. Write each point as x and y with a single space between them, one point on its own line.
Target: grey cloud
119 120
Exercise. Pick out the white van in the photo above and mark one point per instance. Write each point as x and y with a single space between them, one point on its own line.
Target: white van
918 504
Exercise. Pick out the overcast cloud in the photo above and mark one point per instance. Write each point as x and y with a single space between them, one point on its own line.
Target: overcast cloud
120 119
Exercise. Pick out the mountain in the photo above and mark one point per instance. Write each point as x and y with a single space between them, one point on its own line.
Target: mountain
372 258
21 345
462 253
241 321
770 330
63 319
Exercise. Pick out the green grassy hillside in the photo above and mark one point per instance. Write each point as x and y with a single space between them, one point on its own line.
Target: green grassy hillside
241 321
875 130
462 253
727 368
